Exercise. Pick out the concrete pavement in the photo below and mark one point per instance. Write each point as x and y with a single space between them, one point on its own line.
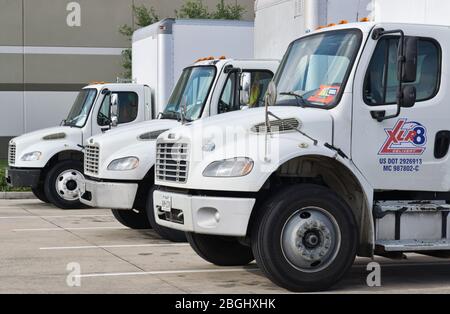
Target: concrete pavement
39 242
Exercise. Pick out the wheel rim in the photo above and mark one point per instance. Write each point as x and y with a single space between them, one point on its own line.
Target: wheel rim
68 184
311 239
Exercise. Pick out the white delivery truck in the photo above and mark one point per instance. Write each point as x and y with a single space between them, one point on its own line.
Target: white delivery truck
350 158
120 165
50 161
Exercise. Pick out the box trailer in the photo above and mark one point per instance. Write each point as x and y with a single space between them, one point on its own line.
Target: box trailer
431 12
279 22
161 51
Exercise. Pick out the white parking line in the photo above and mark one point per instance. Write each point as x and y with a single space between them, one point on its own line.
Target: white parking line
170 272
89 247
69 229
65 216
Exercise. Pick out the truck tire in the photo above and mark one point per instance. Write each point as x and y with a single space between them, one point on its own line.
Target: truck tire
164 232
220 251
132 219
40 193
305 238
62 184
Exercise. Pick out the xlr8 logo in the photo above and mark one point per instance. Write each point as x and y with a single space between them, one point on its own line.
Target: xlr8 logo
405 138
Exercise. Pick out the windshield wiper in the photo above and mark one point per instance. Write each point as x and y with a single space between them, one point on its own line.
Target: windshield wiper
173 115
304 101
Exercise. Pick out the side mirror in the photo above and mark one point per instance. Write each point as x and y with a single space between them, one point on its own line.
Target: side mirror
246 83
114 109
409 57
408 97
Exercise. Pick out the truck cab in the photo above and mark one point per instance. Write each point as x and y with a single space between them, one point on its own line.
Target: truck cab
120 165
349 158
50 161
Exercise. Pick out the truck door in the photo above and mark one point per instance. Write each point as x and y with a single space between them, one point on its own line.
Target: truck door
131 109
409 152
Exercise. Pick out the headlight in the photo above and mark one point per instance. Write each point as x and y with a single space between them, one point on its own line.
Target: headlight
34 156
236 167
123 164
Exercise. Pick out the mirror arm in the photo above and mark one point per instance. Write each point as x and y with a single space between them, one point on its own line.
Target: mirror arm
380 115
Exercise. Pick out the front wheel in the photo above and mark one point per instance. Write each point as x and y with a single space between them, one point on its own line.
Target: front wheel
40 193
164 232
132 219
220 251
305 238
62 184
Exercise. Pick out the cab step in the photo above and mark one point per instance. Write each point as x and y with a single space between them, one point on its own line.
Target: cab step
412 245
411 226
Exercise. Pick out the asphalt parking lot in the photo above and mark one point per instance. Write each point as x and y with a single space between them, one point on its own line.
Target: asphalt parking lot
39 242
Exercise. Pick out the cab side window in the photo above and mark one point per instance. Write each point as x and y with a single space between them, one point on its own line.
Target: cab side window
381 83
259 84
128 108
227 101
230 98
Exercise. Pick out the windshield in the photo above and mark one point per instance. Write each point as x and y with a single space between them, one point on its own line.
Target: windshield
80 110
315 68
190 93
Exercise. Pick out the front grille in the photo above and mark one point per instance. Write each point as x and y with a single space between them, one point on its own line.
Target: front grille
278 126
12 154
172 162
91 159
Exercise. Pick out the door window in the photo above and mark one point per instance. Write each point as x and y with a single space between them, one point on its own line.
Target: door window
128 108
230 99
381 83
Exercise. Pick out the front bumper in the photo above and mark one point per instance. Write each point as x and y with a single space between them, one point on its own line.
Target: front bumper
108 194
226 216
22 177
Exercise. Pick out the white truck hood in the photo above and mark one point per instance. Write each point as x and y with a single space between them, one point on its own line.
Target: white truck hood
208 143
314 122
125 142
34 141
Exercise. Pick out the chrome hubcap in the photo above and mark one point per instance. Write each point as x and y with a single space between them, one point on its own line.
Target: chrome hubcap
68 184
311 239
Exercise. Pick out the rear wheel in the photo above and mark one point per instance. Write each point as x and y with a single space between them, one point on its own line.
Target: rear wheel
62 184
132 219
305 238
221 251
40 193
163 232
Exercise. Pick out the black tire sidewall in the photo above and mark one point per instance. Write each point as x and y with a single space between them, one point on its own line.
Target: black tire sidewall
164 232
220 251
267 233
39 192
132 219
50 180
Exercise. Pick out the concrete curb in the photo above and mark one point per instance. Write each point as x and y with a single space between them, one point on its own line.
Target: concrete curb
16 196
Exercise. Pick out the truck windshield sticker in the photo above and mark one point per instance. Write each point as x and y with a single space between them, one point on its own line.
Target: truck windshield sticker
325 94
404 139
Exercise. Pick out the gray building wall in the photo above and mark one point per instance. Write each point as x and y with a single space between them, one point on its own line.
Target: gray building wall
44 61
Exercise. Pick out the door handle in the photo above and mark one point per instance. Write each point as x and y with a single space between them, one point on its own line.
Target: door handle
442 144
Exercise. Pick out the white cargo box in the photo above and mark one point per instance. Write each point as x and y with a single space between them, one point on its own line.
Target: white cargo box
162 50
433 12
279 22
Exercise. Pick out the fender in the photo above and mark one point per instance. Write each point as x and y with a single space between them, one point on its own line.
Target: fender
48 152
367 226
